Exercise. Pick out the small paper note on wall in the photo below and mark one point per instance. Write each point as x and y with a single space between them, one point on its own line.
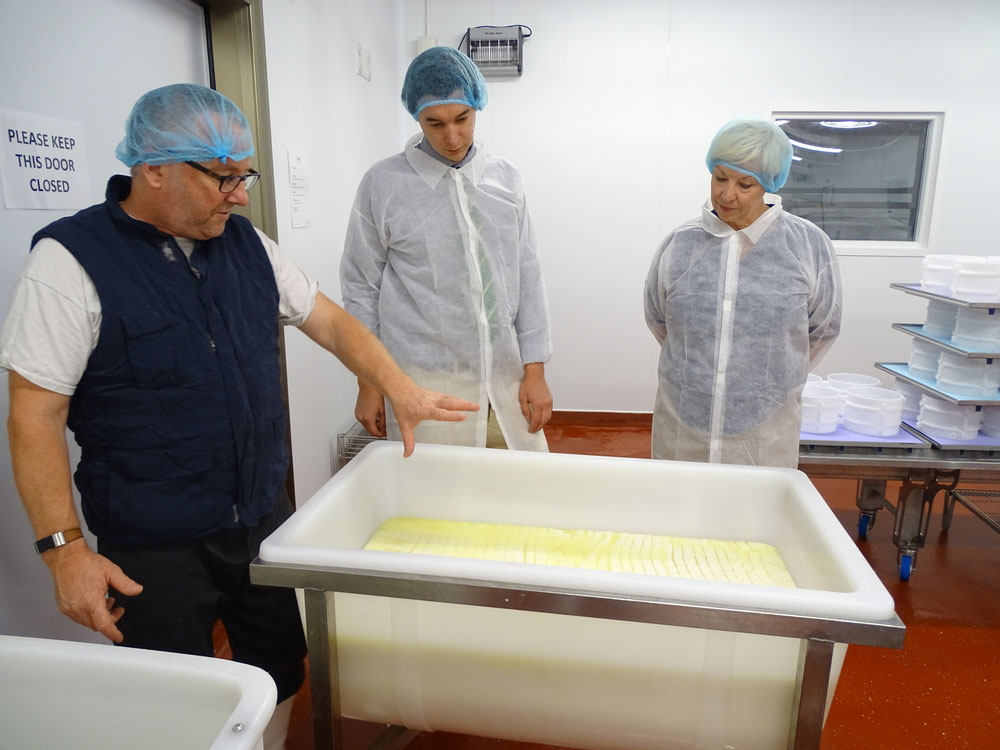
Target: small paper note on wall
298 181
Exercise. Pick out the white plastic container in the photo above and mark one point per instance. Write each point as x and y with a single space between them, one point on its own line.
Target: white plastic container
967 376
943 419
991 421
873 411
940 320
911 398
939 272
57 694
844 381
563 680
924 359
977 330
977 280
820 408
813 379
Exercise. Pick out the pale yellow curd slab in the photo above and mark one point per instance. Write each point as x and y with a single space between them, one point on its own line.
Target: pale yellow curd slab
645 554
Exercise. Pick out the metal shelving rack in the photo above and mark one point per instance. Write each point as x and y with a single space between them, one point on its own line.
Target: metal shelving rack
926 479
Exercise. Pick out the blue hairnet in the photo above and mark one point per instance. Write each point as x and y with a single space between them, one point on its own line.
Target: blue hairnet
758 148
442 75
184 122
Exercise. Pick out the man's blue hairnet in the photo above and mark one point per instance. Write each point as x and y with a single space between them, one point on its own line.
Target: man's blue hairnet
442 75
758 148
184 122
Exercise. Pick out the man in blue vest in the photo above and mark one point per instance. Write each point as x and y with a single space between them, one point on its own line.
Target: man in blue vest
149 325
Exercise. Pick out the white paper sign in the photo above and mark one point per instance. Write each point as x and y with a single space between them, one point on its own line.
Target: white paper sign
298 181
44 162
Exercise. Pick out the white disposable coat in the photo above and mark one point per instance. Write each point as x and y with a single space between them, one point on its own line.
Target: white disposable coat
440 263
741 318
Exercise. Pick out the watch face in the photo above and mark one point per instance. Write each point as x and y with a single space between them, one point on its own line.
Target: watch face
44 544
57 540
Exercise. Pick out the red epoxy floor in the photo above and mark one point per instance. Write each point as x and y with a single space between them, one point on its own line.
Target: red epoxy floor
942 690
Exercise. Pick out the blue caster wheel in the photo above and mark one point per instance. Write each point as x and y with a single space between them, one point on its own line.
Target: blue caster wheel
864 523
905 567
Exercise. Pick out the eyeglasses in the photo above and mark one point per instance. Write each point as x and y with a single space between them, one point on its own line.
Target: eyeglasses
228 183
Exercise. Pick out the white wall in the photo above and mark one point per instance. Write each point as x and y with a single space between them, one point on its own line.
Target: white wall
617 105
87 63
609 125
343 123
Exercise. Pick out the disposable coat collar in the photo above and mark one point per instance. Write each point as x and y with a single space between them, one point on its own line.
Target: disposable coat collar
717 227
431 170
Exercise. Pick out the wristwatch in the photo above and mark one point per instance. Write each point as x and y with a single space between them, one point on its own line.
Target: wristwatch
57 540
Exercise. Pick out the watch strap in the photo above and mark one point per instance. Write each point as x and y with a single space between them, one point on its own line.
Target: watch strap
57 540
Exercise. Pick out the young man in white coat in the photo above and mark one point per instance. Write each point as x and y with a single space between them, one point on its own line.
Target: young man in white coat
440 263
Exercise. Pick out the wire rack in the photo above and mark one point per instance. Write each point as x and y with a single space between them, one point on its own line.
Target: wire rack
985 504
350 443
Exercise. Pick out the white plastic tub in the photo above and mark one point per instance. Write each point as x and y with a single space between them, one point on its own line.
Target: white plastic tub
943 419
976 329
977 280
56 695
991 421
939 272
844 381
911 398
969 377
820 408
924 359
940 320
577 681
873 411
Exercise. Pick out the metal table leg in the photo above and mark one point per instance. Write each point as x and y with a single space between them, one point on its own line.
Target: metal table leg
324 670
812 685
948 510
324 679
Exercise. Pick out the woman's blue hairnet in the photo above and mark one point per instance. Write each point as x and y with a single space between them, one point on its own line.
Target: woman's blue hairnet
184 122
442 75
758 148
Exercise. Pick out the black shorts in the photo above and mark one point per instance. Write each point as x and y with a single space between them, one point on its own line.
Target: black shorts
188 586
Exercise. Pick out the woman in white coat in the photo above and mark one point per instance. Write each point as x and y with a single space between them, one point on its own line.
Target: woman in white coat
743 300
440 263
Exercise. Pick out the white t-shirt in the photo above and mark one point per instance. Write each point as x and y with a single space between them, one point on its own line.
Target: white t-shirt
54 320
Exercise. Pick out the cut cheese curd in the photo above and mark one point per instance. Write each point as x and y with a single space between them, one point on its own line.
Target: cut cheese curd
644 554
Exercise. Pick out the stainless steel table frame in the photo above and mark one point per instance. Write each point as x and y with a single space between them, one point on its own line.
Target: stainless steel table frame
924 471
818 634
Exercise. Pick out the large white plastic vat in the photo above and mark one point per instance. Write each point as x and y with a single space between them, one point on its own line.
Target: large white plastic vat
563 680
57 694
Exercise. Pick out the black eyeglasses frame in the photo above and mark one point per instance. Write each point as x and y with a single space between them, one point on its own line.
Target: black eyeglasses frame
250 179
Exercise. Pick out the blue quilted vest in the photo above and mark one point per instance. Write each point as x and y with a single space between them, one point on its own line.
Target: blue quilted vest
179 414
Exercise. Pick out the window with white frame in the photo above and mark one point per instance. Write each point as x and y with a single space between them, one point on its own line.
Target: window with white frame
862 177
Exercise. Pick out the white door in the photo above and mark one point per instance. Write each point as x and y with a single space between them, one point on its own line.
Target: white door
84 62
